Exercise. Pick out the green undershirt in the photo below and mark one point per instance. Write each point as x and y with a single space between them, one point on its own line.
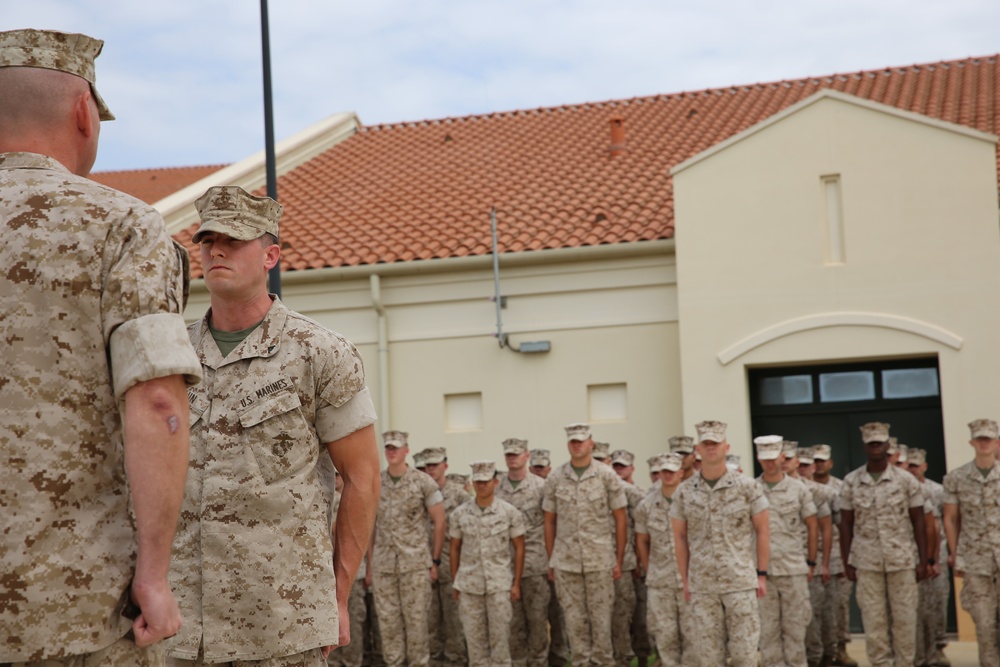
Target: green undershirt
228 340
579 471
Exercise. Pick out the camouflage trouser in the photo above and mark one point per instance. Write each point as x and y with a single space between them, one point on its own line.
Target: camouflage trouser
372 637
444 626
670 623
941 588
401 602
842 611
352 654
888 599
726 620
529 630
980 597
310 658
587 600
558 644
642 644
486 621
821 635
123 653
784 615
621 619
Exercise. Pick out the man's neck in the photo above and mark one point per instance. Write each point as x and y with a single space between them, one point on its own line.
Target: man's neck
985 460
239 315
877 467
397 469
823 478
713 471
668 491
773 478
517 475
581 462
484 502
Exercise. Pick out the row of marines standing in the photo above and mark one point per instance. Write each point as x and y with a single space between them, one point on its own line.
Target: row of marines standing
795 613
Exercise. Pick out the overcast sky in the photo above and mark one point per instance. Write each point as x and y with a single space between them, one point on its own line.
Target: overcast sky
184 77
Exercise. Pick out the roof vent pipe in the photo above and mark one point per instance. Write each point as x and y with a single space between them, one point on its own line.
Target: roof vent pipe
618 146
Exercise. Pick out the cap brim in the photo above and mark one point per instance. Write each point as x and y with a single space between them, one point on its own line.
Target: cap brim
230 228
768 456
104 113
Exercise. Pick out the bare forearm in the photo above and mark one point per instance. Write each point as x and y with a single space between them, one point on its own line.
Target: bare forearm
156 462
356 458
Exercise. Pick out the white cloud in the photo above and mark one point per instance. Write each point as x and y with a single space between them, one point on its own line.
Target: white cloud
185 78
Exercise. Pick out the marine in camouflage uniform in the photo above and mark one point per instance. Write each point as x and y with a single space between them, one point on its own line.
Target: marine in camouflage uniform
715 515
934 591
403 566
447 641
529 634
93 336
254 563
882 510
540 465
484 532
972 524
786 610
584 557
623 618
669 614
836 614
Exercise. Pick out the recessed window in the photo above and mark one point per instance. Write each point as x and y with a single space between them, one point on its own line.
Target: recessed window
463 412
607 402
851 386
786 390
910 383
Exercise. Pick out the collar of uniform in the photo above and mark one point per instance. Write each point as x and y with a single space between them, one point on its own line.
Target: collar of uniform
24 160
889 473
727 480
263 341
974 473
591 470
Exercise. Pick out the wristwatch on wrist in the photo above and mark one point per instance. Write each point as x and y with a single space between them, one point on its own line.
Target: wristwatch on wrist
810 563
931 561
761 573
436 561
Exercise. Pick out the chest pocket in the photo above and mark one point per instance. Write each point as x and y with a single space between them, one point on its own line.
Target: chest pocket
197 405
659 524
277 434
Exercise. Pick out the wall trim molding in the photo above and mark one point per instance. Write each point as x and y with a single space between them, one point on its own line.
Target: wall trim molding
839 319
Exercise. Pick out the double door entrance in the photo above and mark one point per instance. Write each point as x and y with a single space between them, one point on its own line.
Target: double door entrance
827 404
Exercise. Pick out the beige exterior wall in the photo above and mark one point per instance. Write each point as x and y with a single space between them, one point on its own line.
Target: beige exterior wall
610 316
920 265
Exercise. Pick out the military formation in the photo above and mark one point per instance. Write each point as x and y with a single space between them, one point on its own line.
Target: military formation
211 494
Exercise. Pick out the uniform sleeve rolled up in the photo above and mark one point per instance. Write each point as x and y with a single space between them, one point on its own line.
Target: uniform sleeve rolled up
150 347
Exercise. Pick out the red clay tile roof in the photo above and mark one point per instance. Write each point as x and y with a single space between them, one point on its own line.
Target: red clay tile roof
152 185
423 190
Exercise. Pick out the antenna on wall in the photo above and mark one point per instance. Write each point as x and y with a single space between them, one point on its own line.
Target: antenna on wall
527 347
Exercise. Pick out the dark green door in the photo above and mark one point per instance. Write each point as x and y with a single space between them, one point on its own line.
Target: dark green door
828 403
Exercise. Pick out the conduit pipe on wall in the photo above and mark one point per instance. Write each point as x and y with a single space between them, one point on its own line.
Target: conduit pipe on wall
383 353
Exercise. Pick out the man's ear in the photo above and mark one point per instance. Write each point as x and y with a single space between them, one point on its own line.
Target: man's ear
271 256
83 112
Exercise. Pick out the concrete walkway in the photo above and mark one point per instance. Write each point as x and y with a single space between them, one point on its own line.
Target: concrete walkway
961 654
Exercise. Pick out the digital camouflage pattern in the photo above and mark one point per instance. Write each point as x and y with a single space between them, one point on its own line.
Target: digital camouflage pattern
582 505
72 53
587 600
883 534
790 503
401 525
977 552
91 276
444 620
487 628
253 559
719 531
486 565
888 603
529 627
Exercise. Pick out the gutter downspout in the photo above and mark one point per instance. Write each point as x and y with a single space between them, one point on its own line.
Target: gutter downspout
383 353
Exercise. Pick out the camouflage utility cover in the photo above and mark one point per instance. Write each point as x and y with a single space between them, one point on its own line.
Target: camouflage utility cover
253 561
90 276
